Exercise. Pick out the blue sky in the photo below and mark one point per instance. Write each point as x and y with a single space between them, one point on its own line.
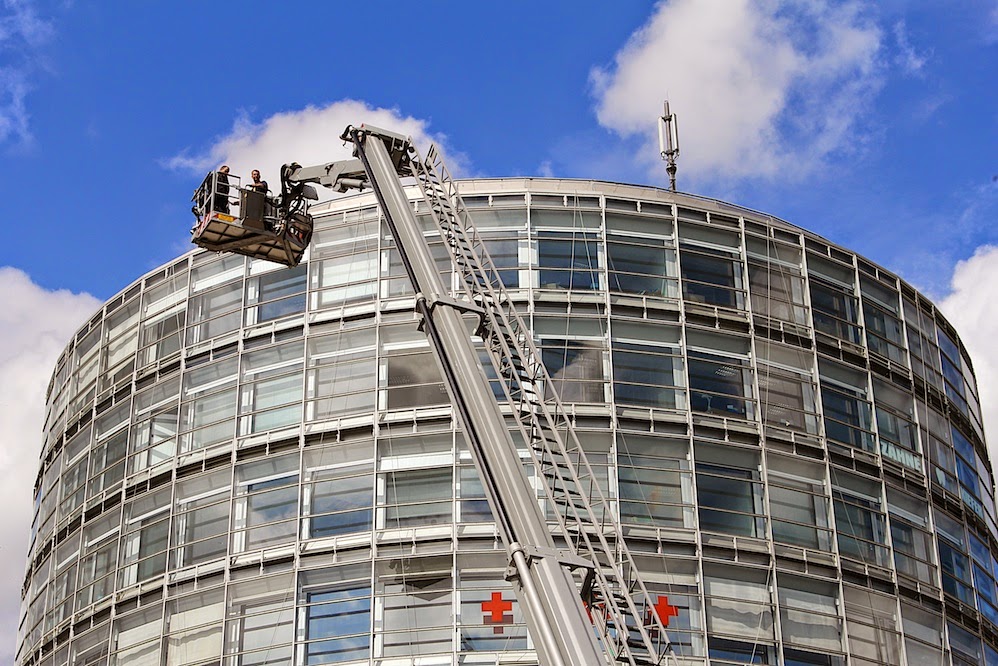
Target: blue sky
873 124
110 94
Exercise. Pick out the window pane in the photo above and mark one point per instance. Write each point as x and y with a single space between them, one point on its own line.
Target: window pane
568 261
718 384
712 277
418 497
648 268
576 369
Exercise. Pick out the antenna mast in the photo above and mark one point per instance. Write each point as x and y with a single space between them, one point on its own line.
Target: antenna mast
668 143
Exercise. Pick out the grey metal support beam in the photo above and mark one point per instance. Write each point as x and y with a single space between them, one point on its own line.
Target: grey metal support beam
331 175
548 595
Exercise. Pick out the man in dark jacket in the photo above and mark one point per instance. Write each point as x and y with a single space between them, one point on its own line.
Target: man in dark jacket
221 200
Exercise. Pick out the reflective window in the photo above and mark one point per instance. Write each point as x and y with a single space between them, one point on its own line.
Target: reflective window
835 311
720 385
859 519
336 615
647 370
729 491
266 502
474 507
201 518
215 312
98 559
418 497
787 399
739 609
410 373
107 464
90 648
914 554
344 280
209 404
964 643
154 433
195 625
271 392
895 425
576 369
505 254
259 621
568 260
416 604
951 370
848 413
712 276
162 335
73 488
342 375
339 490
276 294
642 266
798 506
145 533
957 579
136 637
872 625
655 482
490 616
884 334
775 280
809 613
122 336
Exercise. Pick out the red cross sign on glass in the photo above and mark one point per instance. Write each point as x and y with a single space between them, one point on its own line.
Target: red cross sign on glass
495 610
664 610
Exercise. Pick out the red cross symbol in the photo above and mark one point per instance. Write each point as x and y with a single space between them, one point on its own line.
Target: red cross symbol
496 609
664 611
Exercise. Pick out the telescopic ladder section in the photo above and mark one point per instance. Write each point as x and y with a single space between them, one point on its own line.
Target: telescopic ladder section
616 600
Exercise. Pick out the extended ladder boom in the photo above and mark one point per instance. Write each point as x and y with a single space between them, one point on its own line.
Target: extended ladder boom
616 601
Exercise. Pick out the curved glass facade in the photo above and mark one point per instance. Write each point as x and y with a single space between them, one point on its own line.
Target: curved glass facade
248 464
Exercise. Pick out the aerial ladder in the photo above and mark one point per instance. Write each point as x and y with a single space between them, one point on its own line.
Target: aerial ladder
617 618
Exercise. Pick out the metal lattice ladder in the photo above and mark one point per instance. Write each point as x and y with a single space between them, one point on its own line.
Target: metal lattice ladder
616 599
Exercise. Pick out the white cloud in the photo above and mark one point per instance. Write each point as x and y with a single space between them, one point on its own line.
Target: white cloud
21 33
768 88
36 325
970 308
309 137
991 26
13 112
22 22
910 60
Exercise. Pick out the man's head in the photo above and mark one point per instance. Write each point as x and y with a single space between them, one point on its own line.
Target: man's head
255 175
223 169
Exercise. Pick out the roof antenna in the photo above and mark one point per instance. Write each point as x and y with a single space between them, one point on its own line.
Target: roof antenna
668 143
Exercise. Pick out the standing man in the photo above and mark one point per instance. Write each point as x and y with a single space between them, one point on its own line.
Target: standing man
257 185
222 190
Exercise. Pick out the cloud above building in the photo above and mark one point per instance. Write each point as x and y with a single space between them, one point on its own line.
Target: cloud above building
767 88
970 308
308 136
22 32
36 325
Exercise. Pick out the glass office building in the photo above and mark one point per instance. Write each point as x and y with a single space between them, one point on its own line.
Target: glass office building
246 464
